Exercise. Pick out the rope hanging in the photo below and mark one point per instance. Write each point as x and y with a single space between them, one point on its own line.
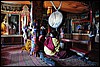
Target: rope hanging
55 6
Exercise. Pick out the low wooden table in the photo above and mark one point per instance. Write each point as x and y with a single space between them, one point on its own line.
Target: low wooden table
79 51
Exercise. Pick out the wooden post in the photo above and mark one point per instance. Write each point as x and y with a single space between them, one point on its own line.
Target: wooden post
37 9
37 14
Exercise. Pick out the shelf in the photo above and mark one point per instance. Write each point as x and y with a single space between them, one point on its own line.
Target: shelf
11 35
12 39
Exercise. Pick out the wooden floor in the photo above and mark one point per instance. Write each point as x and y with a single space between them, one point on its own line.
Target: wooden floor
13 57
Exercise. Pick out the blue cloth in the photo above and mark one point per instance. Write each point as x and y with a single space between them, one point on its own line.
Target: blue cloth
79 27
41 55
46 60
49 61
32 50
32 47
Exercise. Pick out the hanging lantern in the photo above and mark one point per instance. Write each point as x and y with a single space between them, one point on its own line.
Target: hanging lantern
49 11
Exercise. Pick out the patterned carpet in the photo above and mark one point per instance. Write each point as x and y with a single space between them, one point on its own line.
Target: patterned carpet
12 56
75 61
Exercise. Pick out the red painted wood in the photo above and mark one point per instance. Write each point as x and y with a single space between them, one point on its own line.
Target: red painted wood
79 50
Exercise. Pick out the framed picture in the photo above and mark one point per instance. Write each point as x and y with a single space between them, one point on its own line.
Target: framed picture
13 21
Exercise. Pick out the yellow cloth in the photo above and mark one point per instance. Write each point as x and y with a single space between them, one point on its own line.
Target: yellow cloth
56 44
27 45
3 28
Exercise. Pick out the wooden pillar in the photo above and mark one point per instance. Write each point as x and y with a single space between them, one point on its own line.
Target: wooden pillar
89 45
37 10
37 14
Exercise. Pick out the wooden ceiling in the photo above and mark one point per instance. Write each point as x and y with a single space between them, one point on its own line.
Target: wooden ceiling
16 2
67 6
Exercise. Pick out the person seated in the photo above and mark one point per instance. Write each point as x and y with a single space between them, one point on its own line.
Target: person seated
52 46
41 42
41 38
34 47
34 44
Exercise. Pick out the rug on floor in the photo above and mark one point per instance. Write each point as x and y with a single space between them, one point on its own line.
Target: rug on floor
74 61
